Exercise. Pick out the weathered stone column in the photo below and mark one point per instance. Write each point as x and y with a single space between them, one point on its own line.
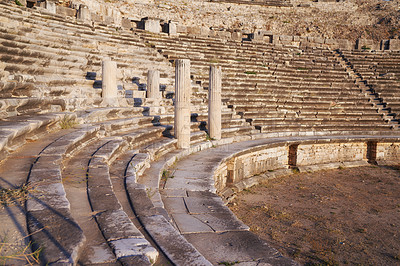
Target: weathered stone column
214 103
84 13
182 103
109 82
153 84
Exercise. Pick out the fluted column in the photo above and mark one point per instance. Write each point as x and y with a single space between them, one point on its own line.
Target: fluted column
109 82
182 103
214 103
153 84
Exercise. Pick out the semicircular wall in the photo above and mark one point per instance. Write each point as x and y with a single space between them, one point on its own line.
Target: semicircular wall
279 158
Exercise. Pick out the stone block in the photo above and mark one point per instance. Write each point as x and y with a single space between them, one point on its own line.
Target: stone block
394 44
330 42
116 224
222 222
174 244
181 29
103 198
66 12
237 36
193 30
345 44
84 13
126 23
365 44
151 24
172 28
204 31
108 20
48 196
51 6
319 40
188 224
59 233
285 38
134 247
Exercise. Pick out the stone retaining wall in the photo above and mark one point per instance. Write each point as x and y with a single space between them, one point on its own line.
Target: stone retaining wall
243 169
388 153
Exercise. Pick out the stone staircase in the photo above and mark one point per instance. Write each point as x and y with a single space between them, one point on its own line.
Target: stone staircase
379 71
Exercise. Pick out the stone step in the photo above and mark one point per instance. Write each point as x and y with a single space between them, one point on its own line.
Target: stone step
48 210
16 131
117 228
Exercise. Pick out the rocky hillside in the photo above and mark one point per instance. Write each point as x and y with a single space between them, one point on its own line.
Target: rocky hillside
349 19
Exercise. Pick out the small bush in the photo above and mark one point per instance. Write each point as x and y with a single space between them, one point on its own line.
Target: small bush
68 122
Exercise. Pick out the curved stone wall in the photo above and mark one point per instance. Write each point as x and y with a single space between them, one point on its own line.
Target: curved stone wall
242 169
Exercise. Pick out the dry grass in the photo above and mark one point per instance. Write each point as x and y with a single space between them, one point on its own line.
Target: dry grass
10 196
18 252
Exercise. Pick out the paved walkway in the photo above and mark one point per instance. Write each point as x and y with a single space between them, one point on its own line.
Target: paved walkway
201 216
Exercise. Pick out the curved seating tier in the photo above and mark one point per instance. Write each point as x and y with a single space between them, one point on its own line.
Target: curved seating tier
280 88
53 60
109 181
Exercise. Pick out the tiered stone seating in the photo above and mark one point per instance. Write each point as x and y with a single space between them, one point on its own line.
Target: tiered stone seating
380 70
97 181
60 69
278 3
279 89
50 73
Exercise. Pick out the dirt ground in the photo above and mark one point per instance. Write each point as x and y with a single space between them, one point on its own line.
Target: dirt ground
342 216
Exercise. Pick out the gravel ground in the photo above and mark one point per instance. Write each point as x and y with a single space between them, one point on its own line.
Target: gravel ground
342 216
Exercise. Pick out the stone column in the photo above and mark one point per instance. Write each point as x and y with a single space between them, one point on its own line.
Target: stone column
84 13
153 84
182 103
109 83
214 103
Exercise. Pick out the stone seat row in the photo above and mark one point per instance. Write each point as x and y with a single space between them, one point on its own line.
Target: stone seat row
40 217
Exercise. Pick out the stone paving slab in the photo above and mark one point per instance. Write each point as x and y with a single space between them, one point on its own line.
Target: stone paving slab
244 247
197 205
222 222
188 224
175 205
191 184
173 244
170 193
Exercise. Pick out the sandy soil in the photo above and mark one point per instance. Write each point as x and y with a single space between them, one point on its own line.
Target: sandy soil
343 216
